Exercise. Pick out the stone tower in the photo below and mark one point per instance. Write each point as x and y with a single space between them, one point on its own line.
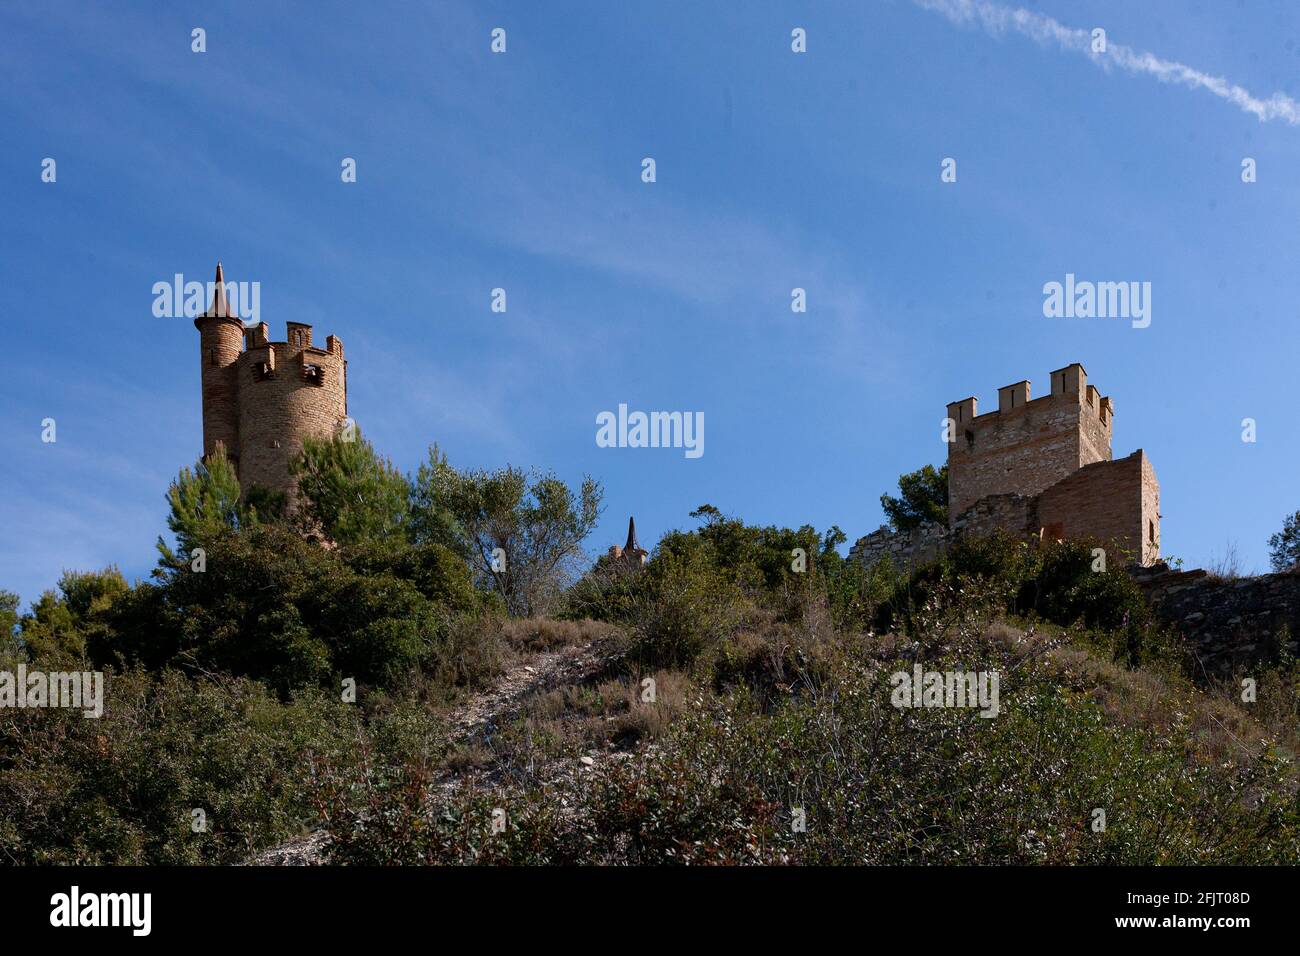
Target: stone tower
262 398
1026 446
221 339
1051 458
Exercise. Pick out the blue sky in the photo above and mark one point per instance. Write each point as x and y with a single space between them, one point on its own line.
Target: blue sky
523 171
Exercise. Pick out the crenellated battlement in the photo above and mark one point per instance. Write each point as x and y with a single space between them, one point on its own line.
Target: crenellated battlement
1027 444
263 360
1041 468
1069 385
297 339
262 398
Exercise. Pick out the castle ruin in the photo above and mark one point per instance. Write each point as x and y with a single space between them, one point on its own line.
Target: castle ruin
631 554
1039 468
262 398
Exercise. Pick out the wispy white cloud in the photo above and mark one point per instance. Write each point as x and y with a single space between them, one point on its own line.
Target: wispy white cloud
998 20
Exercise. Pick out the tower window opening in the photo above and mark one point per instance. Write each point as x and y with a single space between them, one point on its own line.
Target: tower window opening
1151 532
314 374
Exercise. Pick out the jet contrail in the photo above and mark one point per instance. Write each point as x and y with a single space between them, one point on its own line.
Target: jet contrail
998 20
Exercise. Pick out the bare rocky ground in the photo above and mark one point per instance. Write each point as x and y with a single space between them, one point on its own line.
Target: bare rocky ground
474 720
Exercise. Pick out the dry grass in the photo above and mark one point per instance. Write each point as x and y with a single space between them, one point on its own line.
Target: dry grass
611 715
648 719
544 634
1227 566
468 757
1276 708
1218 727
1003 634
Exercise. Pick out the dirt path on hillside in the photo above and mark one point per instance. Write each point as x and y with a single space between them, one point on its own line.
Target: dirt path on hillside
472 720
544 671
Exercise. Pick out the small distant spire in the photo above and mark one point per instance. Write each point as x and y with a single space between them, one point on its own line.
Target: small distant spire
631 546
220 308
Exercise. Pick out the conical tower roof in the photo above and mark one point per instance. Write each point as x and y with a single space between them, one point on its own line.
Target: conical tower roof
220 308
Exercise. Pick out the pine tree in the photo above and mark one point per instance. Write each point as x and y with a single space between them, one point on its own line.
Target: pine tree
924 498
352 494
204 502
1284 547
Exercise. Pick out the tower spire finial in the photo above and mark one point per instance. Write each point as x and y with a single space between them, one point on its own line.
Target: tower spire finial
631 545
219 308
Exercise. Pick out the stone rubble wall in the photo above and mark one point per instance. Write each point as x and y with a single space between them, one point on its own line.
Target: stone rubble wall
903 548
1231 624
1017 514
1014 513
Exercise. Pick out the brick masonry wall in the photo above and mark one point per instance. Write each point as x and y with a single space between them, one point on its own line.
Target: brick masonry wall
1112 501
1094 434
1105 500
1019 451
220 343
1150 512
1231 625
279 411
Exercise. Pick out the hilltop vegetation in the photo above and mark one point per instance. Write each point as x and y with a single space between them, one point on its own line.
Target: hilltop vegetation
737 684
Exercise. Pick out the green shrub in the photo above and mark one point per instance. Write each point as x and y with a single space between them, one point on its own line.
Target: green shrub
351 493
686 608
123 788
60 623
877 785
272 606
1055 582
609 591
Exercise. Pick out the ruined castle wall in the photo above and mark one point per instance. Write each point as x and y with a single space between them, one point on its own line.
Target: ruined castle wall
1041 469
903 548
1027 446
1230 624
1116 502
1018 451
1106 500
1015 514
277 411
1095 427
